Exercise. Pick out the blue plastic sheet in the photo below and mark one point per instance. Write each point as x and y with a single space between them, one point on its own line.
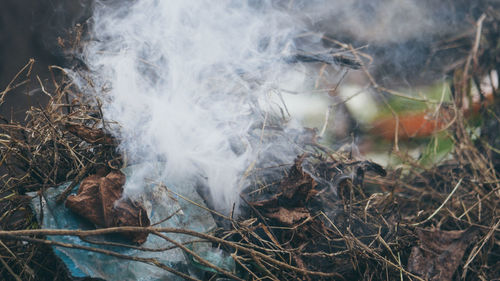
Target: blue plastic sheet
161 201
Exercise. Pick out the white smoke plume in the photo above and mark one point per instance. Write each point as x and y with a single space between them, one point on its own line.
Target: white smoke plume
187 81
384 21
190 82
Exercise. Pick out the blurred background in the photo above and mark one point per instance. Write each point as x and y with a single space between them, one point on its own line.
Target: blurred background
409 46
30 29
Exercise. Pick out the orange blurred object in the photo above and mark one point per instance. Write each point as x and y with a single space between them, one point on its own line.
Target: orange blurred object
411 125
425 123
422 124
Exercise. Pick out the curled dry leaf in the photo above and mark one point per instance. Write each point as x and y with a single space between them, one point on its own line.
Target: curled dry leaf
99 199
90 135
298 187
439 253
289 216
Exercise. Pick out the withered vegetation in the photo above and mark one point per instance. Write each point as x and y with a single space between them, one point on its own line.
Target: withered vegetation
326 216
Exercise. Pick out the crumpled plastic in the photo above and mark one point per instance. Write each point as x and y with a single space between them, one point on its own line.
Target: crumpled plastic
160 201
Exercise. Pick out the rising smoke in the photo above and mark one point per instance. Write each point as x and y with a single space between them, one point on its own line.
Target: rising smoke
189 81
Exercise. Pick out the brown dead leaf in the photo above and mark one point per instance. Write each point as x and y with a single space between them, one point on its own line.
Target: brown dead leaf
289 216
439 253
298 187
288 206
90 135
99 199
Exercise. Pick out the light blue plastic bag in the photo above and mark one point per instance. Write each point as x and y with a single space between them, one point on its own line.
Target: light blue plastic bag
161 202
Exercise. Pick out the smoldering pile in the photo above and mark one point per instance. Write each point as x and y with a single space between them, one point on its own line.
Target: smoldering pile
324 214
